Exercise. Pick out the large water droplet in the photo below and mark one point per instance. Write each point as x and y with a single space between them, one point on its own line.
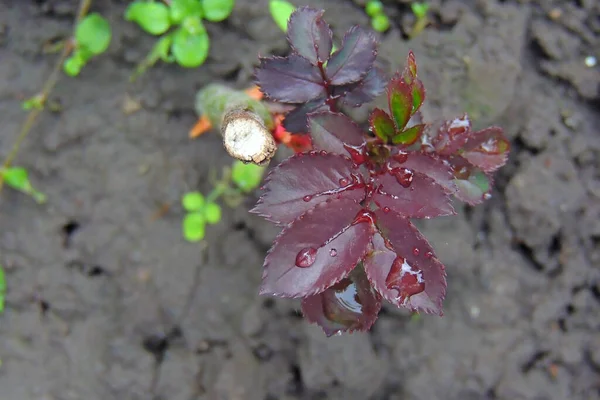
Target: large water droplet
401 157
358 154
341 303
307 198
333 252
404 176
306 257
364 215
405 279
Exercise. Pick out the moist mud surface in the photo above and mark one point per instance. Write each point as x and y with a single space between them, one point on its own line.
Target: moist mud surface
106 301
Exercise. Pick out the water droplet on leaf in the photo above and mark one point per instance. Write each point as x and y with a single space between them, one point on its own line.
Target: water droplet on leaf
307 198
401 157
333 252
386 209
416 251
364 215
306 257
404 176
404 278
429 254
344 181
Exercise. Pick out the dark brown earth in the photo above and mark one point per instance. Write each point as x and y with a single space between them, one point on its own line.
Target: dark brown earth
104 302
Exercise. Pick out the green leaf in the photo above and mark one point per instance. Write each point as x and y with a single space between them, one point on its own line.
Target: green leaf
409 136
247 176
190 50
194 226
400 101
373 8
382 125
2 288
72 66
93 33
419 9
193 201
18 179
217 10
160 51
180 9
380 23
281 11
154 18
212 212
193 25
35 102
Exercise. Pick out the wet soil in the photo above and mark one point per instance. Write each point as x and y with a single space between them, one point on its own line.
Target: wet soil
106 301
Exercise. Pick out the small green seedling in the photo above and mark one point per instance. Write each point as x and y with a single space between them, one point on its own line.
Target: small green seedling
379 21
419 9
236 182
92 38
179 23
2 289
18 179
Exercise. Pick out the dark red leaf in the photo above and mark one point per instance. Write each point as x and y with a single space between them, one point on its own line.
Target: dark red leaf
290 80
437 169
382 125
354 59
330 131
403 267
411 194
296 121
356 94
410 70
349 305
400 101
303 181
316 251
409 136
487 149
452 135
309 35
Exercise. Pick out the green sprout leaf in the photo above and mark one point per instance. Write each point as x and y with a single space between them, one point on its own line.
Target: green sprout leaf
194 225
18 179
93 33
281 11
217 10
2 288
380 23
247 176
35 102
190 50
419 9
193 201
73 65
180 9
212 212
154 18
160 51
373 8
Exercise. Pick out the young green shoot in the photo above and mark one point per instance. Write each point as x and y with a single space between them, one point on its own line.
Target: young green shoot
419 9
180 26
379 20
202 210
92 38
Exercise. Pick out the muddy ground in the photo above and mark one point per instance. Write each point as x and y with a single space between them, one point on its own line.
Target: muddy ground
107 302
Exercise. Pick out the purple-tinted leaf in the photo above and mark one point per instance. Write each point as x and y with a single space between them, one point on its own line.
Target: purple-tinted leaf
382 125
356 94
437 169
296 121
349 305
400 101
411 194
354 59
487 149
474 188
409 136
290 80
316 251
330 131
309 35
303 181
403 268
452 135
410 70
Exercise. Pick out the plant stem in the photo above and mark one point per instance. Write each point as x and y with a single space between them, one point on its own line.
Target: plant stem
49 85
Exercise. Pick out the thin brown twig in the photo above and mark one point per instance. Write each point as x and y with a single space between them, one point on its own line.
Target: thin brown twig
47 88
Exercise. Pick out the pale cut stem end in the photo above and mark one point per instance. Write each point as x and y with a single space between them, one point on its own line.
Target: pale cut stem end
246 137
